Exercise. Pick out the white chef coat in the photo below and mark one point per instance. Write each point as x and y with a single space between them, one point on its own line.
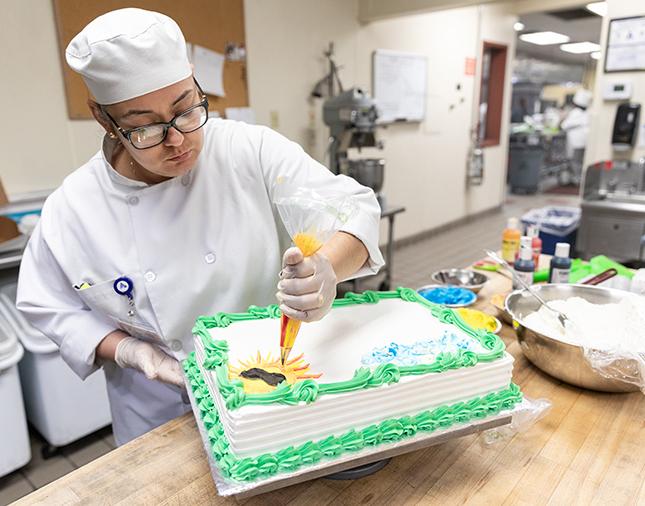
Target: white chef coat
205 242
576 125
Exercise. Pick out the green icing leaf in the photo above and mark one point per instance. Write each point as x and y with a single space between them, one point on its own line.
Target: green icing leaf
372 435
352 441
288 459
392 430
235 399
267 464
408 425
331 446
310 452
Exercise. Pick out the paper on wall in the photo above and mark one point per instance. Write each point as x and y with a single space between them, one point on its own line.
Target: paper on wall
189 51
209 70
244 114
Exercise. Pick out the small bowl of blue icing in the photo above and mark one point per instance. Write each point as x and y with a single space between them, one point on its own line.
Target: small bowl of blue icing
446 295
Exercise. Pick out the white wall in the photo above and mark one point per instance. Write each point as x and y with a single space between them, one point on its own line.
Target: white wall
286 40
426 162
602 112
39 144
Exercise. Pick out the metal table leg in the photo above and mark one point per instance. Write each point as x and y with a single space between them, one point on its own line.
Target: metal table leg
386 284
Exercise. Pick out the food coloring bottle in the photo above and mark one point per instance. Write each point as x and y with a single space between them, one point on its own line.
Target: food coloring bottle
536 243
560 264
524 266
511 240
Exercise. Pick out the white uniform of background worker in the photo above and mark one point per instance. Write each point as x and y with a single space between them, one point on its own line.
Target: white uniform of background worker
576 122
187 222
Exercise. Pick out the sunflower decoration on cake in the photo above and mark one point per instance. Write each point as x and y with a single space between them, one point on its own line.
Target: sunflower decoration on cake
260 375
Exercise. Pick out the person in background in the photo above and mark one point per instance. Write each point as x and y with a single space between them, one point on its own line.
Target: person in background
576 122
172 218
576 126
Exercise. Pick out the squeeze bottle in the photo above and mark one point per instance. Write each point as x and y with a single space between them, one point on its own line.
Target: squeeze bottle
524 266
511 240
560 264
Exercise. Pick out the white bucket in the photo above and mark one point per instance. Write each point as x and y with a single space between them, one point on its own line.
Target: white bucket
14 437
61 406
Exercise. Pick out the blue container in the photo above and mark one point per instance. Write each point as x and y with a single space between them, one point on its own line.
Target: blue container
557 224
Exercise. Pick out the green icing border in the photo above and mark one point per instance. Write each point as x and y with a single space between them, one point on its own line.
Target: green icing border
291 458
309 390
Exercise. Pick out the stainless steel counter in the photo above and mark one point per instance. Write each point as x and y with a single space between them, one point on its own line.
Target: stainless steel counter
613 211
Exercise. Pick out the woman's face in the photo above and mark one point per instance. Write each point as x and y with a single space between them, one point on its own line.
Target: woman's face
178 153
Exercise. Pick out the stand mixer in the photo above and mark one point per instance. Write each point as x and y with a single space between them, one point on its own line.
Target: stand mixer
351 117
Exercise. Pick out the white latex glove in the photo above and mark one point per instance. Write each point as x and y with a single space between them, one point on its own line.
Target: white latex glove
307 286
149 359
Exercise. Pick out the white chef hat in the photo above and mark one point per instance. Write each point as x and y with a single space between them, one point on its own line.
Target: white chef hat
127 53
582 98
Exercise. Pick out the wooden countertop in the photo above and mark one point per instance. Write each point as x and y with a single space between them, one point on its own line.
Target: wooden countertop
589 449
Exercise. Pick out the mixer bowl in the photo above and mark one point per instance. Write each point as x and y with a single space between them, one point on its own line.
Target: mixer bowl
368 172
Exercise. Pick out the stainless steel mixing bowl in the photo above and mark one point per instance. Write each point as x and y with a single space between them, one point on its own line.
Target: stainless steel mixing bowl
465 278
561 360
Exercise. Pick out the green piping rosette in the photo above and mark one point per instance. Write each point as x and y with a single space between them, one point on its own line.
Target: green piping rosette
291 458
308 391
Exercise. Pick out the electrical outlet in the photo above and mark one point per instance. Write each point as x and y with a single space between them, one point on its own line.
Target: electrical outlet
274 120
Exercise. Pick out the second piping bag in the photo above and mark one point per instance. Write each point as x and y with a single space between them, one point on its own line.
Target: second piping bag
311 218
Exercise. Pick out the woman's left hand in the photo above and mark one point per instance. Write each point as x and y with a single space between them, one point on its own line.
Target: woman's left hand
307 285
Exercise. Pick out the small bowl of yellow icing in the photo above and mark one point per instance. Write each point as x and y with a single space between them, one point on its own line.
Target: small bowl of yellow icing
480 320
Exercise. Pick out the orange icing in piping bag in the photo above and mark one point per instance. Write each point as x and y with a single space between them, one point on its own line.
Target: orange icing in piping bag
289 328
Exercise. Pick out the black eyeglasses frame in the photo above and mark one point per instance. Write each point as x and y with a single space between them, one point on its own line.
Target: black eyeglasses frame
127 133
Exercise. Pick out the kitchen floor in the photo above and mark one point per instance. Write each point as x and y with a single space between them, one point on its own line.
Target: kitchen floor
457 246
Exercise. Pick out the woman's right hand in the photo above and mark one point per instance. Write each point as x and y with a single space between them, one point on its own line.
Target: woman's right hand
149 359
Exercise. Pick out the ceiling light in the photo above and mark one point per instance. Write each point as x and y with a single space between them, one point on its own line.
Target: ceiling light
518 26
596 55
580 47
599 8
544 38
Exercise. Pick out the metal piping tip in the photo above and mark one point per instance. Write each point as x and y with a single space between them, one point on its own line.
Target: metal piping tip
284 354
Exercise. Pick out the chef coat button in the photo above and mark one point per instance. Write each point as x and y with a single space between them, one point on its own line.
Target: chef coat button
133 201
175 345
185 179
210 258
150 276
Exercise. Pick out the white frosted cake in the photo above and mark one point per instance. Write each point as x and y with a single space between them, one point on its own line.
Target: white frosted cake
379 368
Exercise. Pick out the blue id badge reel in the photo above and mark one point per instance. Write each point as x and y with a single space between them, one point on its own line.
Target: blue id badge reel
124 287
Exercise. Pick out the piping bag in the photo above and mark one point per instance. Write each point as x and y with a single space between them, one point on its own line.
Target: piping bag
311 217
289 328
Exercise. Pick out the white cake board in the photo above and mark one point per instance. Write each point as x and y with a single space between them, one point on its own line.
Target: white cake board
348 461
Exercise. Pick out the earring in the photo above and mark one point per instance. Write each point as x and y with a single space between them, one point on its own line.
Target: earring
111 135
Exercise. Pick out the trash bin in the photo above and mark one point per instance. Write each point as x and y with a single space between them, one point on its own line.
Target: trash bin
557 224
524 165
14 437
61 406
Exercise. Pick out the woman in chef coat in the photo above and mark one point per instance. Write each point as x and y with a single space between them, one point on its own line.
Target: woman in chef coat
172 218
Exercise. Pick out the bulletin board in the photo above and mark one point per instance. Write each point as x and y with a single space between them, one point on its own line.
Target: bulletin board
209 23
399 84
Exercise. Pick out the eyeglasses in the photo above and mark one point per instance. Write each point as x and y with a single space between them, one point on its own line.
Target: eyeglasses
151 135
